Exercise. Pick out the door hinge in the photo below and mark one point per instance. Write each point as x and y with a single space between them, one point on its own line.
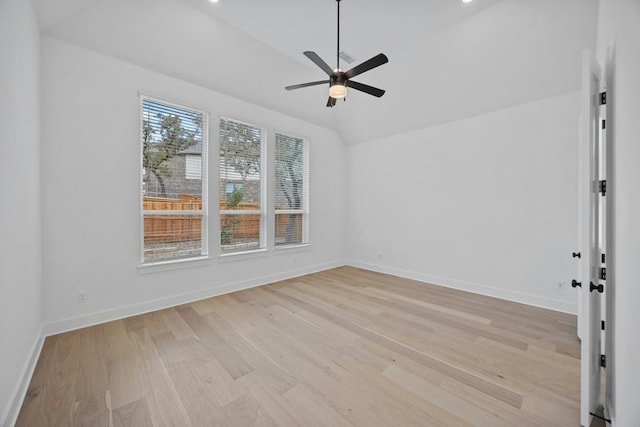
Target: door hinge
603 273
602 325
603 360
603 98
602 187
603 258
604 124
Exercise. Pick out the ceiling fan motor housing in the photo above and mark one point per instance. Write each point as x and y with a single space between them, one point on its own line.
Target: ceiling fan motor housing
337 78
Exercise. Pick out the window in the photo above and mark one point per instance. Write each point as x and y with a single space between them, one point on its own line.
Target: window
193 166
242 172
291 191
173 182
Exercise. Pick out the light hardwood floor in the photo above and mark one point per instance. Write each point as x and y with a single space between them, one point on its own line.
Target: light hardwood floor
337 348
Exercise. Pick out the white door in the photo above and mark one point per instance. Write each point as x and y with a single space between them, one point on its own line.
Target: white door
590 239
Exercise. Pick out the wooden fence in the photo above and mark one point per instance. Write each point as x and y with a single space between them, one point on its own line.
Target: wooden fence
171 228
233 228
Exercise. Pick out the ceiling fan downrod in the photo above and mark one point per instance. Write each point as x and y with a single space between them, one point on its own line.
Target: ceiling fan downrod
338 38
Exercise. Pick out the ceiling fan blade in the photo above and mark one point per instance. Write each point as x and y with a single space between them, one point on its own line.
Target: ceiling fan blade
331 102
318 61
319 82
374 62
365 88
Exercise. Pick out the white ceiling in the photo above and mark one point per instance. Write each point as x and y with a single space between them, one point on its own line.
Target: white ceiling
448 60
368 27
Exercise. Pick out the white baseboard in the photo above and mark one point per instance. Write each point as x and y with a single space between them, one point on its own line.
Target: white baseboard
83 321
475 288
10 414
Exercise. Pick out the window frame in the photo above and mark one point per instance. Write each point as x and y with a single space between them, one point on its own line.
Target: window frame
304 209
263 192
203 213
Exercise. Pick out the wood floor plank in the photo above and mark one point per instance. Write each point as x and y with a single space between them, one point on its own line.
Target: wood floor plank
512 416
347 400
228 357
406 400
92 411
430 306
161 396
194 385
154 322
280 410
60 390
33 407
455 322
264 367
122 365
242 319
325 325
168 348
343 347
92 373
470 414
135 413
317 411
246 411
92 406
176 324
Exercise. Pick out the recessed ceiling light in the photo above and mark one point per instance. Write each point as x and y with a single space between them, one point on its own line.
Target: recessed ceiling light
463 1
213 1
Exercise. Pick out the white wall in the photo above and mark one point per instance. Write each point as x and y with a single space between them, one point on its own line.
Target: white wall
619 53
486 204
90 166
20 255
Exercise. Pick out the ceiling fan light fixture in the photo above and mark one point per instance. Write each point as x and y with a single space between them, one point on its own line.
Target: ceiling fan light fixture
337 90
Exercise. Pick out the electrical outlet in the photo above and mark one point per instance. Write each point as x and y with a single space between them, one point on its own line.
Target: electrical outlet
83 297
560 286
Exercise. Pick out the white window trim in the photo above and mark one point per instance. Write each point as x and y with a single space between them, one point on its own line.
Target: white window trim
174 264
283 249
237 256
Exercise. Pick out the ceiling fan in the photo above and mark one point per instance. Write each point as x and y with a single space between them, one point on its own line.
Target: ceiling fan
339 80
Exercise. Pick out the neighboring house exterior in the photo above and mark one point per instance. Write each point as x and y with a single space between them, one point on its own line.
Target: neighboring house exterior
185 178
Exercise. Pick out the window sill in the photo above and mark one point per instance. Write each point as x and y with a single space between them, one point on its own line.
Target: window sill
291 248
177 264
238 256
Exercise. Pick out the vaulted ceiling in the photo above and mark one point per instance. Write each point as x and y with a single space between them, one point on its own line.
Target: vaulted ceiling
448 60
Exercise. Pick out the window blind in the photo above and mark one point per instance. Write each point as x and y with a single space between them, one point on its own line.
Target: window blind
291 190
